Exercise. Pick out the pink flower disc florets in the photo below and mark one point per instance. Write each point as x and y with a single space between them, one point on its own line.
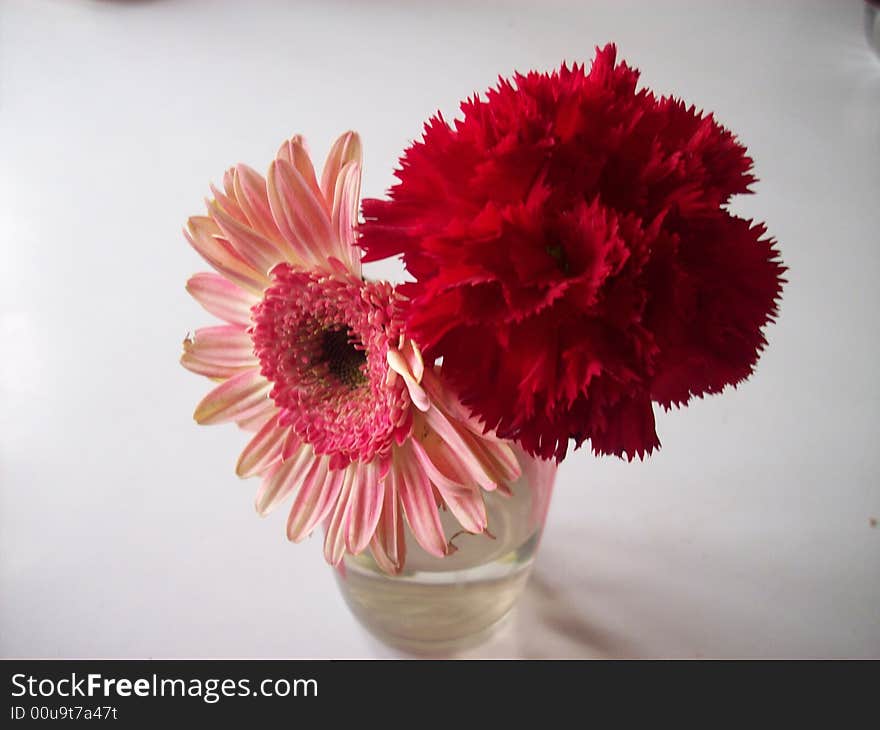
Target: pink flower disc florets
322 340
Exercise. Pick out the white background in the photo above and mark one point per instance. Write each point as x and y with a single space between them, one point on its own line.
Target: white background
123 530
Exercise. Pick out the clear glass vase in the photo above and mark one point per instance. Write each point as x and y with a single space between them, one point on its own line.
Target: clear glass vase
439 605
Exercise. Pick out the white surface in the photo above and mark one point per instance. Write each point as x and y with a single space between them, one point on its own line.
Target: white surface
123 530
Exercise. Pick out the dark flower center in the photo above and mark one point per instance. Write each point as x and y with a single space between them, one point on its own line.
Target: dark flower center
557 253
343 355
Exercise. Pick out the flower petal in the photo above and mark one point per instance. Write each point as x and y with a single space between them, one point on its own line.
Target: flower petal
346 200
228 344
314 500
237 398
203 235
263 450
468 509
260 252
284 477
222 298
292 445
496 457
464 499
347 148
301 217
334 539
250 192
366 507
217 371
254 420
399 364
419 506
452 437
295 152
441 466
413 356
228 199
389 544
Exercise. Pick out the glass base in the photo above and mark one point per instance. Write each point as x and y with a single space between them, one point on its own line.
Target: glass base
438 606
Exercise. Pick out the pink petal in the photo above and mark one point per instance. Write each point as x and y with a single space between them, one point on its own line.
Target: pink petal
261 253
237 398
228 199
366 507
446 399
291 445
383 560
458 447
254 420
263 450
346 200
417 498
413 355
463 499
399 365
204 236
227 344
222 298
344 150
250 191
281 480
468 509
302 219
212 370
388 544
334 539
496 458
295 152
315 499
441 468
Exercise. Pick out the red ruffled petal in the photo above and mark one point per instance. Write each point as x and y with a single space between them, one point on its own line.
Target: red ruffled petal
573 258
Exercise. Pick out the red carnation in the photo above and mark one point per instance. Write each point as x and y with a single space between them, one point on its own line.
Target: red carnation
573 257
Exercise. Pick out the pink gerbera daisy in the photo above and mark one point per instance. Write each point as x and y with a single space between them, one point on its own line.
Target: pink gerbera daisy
314 360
